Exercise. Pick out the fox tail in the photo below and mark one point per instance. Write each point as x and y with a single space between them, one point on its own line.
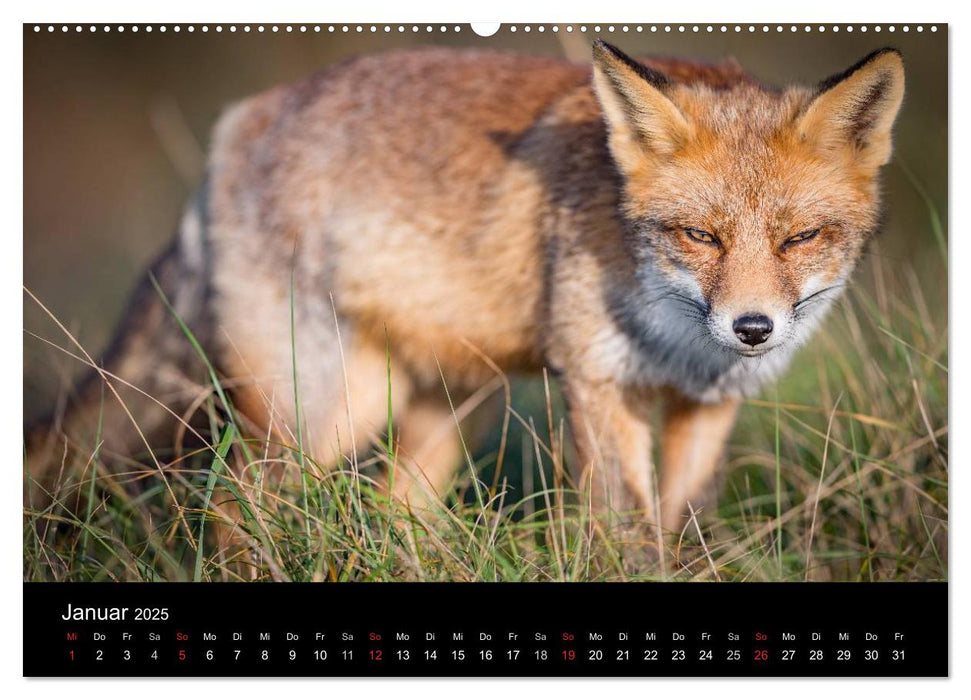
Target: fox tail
139 397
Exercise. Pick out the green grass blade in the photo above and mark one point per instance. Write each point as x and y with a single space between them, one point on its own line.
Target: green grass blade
218 462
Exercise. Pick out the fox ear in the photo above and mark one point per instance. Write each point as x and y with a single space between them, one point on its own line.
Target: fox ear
640 118
857 109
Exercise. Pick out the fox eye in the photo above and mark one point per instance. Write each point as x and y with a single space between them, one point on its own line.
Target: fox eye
696 234
800 237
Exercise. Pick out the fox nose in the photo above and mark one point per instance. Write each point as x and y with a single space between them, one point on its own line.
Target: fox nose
753 329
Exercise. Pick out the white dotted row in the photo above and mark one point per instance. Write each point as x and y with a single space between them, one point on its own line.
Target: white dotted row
247 28
304 28
751 28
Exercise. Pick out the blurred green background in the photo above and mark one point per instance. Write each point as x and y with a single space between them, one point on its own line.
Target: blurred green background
116 127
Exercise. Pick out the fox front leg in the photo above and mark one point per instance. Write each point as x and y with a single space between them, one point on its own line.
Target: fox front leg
613 441
692 442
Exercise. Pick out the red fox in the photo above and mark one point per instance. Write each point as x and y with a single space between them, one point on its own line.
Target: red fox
652 232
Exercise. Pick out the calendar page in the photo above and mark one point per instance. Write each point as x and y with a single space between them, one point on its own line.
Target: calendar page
550 349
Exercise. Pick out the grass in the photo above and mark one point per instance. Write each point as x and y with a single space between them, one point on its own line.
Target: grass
839 472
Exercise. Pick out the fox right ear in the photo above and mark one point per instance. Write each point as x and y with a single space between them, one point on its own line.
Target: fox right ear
857 109
641 119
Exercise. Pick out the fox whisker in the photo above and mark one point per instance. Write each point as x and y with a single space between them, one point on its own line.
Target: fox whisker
818 295
684 298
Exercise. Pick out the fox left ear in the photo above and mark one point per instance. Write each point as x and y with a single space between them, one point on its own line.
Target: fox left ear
641 118
857 109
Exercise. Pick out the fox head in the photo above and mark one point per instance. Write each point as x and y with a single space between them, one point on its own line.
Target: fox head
746 207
